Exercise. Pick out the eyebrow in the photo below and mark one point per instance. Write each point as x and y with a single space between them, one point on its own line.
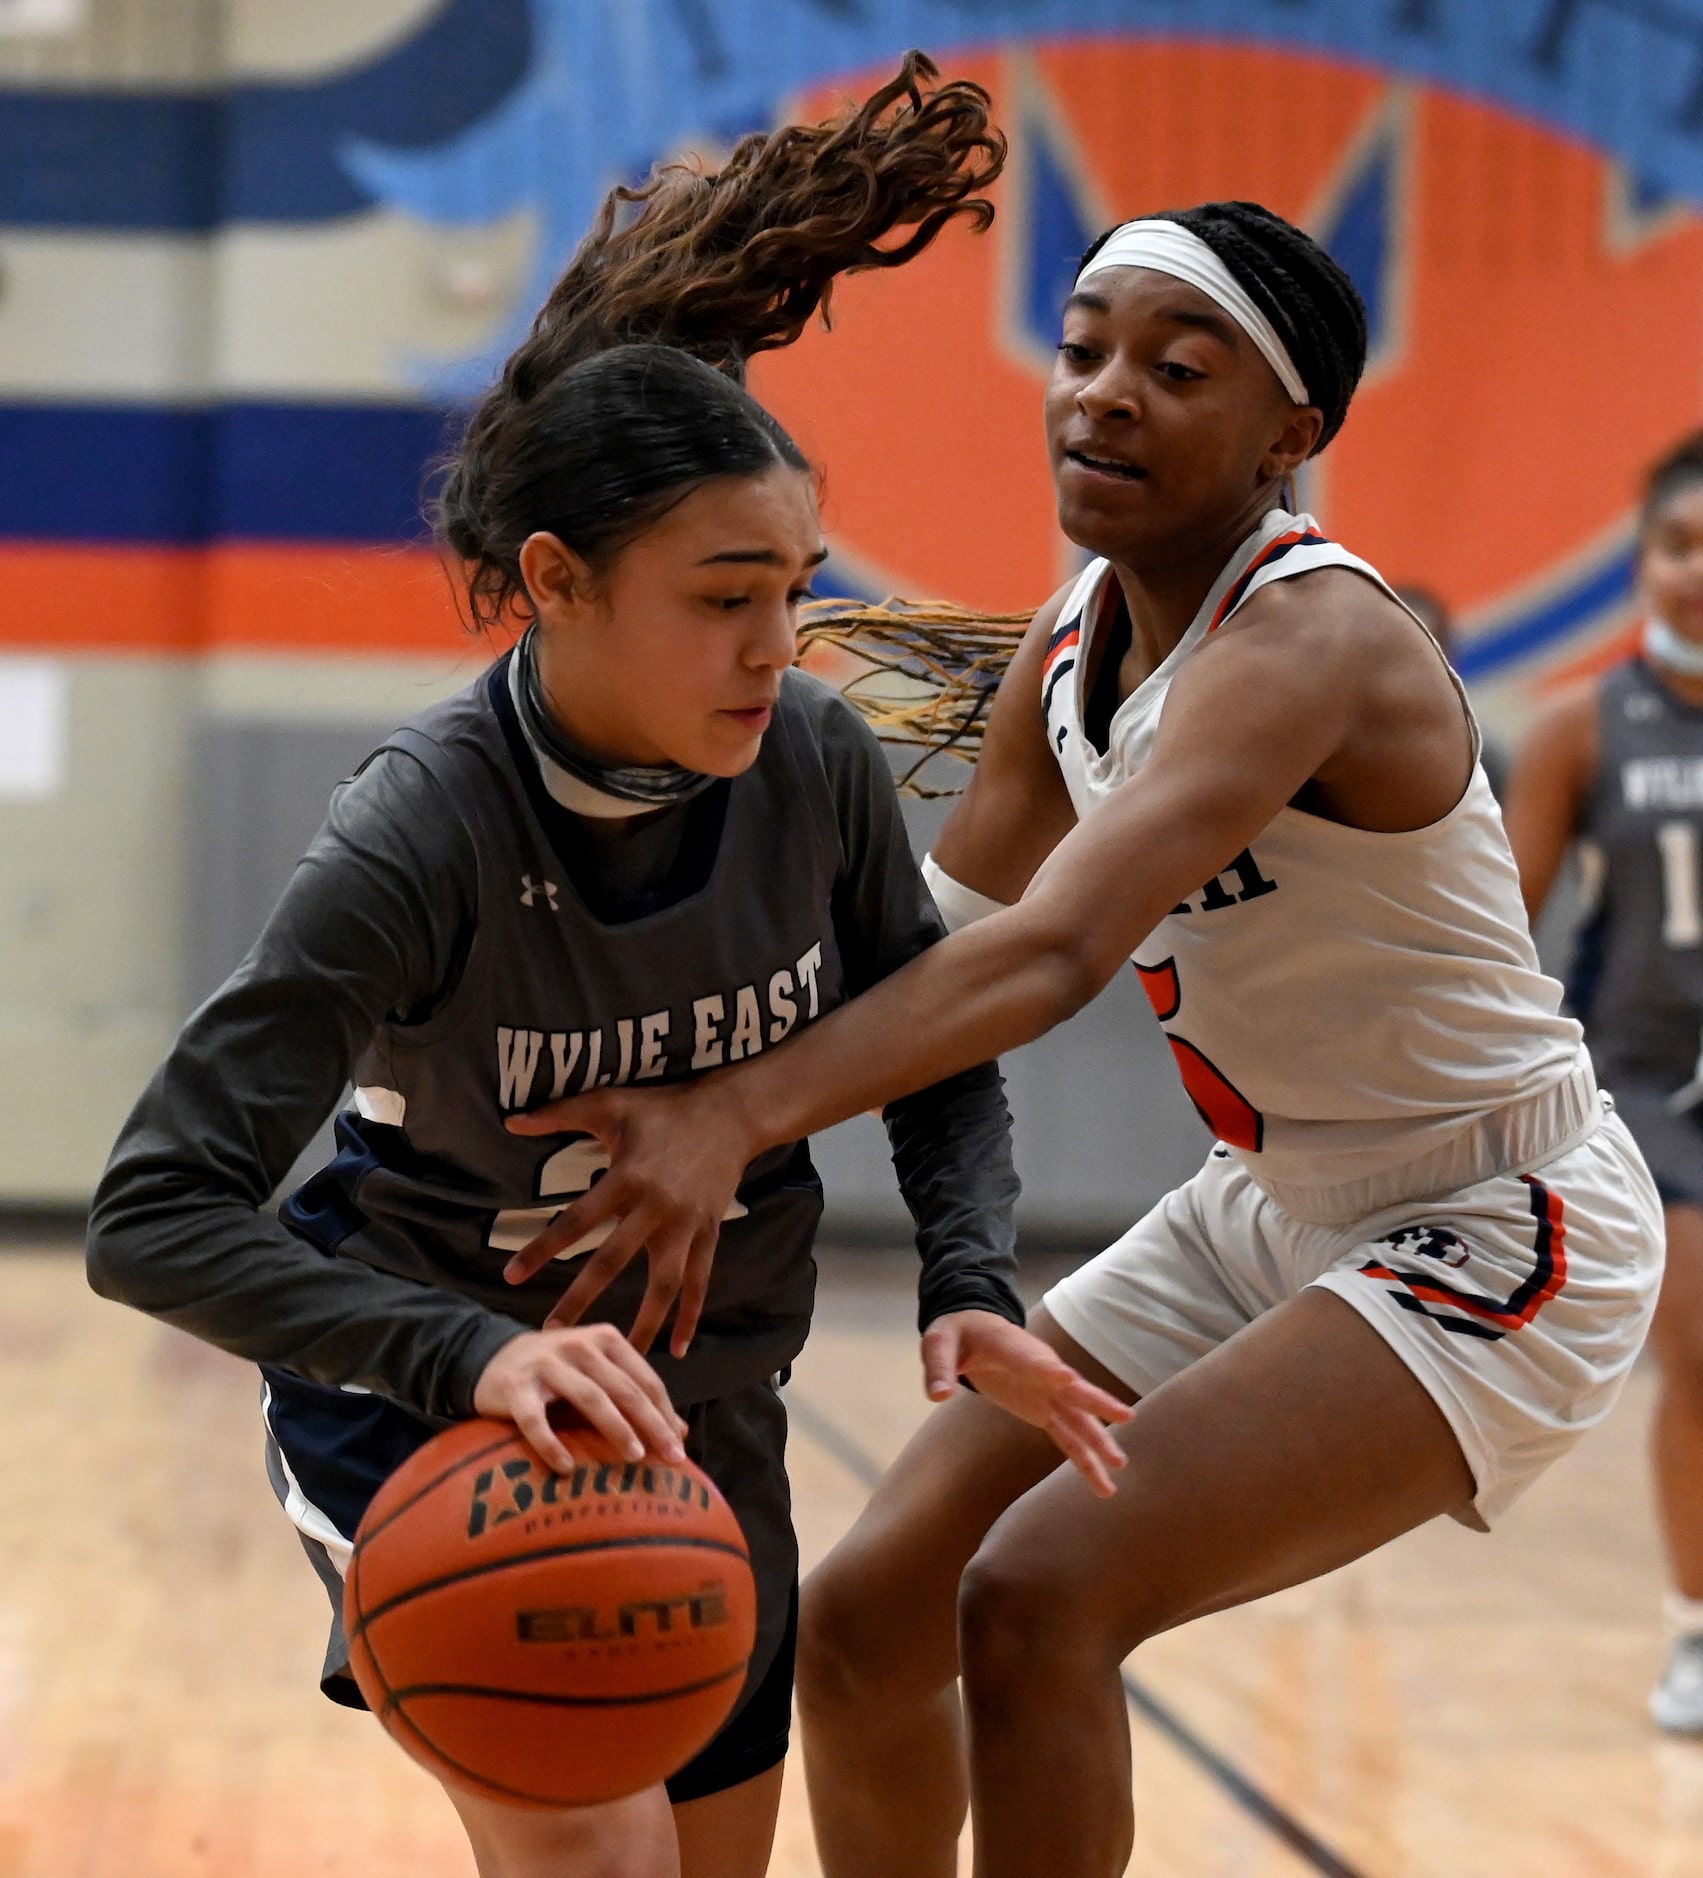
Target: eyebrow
1220 326
757 557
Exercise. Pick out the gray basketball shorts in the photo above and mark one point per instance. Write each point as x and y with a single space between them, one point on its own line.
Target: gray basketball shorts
328 1451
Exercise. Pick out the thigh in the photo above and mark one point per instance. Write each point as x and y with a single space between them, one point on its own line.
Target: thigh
730 1834
631 1838
1520 1303
888 1591
740 1442
1184 1279
1297 1446
1676 1335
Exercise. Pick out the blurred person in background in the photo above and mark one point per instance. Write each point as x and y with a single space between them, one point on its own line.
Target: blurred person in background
1428 607
1615 766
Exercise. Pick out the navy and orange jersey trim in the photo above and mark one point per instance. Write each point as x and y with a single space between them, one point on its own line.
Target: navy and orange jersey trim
1272 551
1066 634
1485 1316
1060 660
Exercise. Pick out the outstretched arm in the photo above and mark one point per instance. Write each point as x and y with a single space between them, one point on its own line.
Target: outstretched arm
1249 720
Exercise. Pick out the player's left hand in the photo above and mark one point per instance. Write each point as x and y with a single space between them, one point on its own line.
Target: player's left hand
677 1156
1027 1378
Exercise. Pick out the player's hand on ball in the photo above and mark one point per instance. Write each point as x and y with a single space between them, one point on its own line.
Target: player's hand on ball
676 1159
599 1374
1027 1378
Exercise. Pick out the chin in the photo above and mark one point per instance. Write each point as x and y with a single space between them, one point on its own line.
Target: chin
1102 530
728 756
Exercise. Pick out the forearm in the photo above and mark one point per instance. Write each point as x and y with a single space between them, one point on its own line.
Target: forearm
179 1226
991 988
164 1240
952 1154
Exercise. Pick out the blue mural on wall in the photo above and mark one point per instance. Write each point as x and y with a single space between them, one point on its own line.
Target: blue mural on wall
498 105
498 101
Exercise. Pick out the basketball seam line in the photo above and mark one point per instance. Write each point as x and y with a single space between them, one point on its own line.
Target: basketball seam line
449 1473
570 1701
394 1712
368 1618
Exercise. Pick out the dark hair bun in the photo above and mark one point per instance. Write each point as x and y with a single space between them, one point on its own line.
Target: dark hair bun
599 454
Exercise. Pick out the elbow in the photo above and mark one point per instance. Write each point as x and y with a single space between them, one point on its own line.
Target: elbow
112 1259
1067 974
107 1264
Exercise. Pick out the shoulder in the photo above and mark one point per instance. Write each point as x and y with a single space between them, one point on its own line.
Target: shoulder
813 700
1329 628
395 808
1571 712
1323 601
1052 625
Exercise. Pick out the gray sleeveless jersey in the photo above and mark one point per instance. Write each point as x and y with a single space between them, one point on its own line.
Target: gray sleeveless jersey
434 949
1637 979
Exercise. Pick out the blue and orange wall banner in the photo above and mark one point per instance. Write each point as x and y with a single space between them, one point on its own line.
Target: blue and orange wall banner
1516 186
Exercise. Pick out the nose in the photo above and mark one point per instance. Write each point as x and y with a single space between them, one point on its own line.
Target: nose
1110 393
772 643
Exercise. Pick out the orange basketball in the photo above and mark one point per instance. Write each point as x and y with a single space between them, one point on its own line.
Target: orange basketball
548 1639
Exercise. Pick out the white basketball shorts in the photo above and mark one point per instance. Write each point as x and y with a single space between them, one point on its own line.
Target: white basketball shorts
1519 1302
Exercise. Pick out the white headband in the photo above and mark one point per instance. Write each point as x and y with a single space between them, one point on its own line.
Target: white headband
1169 248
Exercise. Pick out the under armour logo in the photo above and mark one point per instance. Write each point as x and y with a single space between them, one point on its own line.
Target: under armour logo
1429 1242
534 890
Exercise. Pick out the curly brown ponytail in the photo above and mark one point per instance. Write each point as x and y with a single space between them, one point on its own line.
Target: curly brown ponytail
600 421
727 263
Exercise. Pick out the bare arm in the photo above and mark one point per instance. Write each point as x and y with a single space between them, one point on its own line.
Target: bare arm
1250 720
1016 809
1552 776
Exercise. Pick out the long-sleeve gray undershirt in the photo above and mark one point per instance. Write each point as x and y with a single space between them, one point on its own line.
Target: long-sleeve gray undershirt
374 928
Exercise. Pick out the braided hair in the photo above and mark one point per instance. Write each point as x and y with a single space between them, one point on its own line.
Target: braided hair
1306 295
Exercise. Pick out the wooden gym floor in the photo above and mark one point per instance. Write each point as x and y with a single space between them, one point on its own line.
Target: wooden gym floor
1456 1707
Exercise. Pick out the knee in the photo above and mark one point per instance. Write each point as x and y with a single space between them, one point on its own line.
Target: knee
1025 1613
840 1653
1014 1615
865 1635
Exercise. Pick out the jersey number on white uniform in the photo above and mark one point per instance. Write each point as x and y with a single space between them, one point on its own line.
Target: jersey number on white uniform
1217 1100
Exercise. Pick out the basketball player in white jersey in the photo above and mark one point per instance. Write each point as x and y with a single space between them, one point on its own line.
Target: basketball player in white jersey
1422 1251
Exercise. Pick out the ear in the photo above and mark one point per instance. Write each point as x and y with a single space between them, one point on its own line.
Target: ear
557 580
1303 424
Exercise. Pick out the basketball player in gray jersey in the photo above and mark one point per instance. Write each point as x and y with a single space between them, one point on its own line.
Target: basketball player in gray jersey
637 848
1617 766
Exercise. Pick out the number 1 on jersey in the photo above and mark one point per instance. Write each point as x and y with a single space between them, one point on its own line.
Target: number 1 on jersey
1682 912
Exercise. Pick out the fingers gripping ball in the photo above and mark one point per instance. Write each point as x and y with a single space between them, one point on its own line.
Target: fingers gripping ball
548 1639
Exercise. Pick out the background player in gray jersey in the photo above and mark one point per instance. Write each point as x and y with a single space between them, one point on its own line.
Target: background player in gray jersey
637 847
1617 766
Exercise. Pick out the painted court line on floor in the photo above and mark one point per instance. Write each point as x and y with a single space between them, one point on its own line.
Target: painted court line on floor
1253 1800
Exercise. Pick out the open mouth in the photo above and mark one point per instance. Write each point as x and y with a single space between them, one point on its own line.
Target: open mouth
1107 466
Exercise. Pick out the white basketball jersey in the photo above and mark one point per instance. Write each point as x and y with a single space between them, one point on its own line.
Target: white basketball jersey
1339 1002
